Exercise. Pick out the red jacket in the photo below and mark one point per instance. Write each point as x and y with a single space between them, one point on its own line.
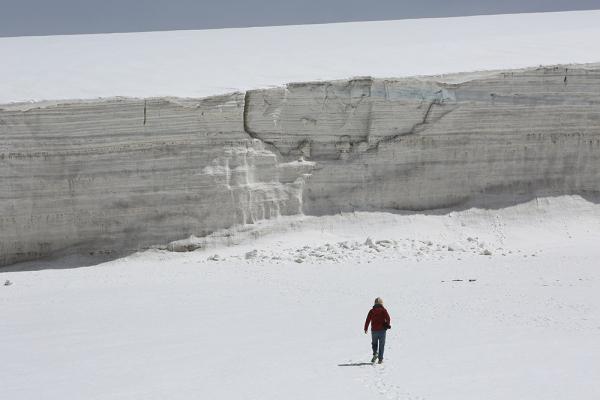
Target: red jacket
378 317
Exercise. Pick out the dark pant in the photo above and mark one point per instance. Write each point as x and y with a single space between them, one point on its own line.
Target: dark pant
378 341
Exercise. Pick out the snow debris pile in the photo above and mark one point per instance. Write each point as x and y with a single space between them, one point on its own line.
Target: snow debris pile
369 250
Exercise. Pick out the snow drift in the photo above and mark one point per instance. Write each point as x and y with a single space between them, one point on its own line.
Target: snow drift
113 176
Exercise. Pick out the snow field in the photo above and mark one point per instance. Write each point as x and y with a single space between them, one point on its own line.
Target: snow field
208 62
464 325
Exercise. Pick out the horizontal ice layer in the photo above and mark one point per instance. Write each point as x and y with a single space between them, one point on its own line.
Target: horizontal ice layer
114 176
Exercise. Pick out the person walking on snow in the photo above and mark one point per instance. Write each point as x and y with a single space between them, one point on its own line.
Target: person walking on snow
380 321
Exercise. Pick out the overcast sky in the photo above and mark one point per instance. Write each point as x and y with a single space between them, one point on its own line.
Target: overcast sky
51 17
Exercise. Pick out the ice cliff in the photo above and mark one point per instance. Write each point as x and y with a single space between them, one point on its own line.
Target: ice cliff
117 175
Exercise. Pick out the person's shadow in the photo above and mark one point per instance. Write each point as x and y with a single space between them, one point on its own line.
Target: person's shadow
355 364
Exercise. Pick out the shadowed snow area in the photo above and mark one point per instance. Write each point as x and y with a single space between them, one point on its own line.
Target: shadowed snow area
485 304
208 62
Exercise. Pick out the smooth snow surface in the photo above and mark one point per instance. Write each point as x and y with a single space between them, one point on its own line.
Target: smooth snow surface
208 62
281 317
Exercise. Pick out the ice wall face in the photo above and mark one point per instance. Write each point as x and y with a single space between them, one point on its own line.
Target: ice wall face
114 176
117 175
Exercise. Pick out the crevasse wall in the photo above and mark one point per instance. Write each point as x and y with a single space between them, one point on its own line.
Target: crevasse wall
118 175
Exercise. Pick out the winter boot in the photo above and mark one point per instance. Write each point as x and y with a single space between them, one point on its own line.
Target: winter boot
380 361
374 358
